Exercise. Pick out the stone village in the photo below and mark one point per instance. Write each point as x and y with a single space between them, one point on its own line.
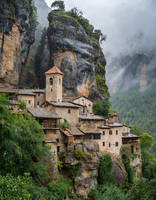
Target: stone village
52 110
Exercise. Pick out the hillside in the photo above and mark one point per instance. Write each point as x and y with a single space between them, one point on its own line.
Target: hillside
137 108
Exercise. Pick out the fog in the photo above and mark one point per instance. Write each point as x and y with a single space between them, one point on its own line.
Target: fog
128 24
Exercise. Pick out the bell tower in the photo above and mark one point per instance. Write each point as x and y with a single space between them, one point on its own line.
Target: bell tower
54 79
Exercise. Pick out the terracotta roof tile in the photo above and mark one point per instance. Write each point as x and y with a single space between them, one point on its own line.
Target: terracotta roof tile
54 70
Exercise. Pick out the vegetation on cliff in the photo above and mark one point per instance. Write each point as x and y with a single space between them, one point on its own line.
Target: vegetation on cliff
73 44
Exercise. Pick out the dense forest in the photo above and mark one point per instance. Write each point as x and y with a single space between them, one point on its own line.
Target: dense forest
137 109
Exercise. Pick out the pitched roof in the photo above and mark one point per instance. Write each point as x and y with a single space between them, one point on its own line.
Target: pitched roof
64 104
79 97
42 113
91 117
73 131
90 130
131 136
54 70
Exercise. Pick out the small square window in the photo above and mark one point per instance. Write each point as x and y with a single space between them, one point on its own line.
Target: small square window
103 132
109 144
29 101
103 143
69 111
38 94
116 132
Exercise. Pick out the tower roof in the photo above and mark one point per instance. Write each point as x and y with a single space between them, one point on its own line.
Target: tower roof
54 70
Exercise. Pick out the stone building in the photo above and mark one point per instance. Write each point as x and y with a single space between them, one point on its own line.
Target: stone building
68 122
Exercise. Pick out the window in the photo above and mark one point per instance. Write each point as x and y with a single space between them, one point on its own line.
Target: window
58 149
29 101
51 81
38 103
89 105
60 81
116 132
88 136
57 140
110 132
77 137
116 144
109 144
51 89
69 111
103 143
132 149
38 94
103 132
97 137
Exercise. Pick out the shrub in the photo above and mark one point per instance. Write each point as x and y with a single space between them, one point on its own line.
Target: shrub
101 108
65 124
15 188
105 173
79 154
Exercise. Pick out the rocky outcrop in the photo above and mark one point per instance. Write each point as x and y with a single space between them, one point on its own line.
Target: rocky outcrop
119 170
17 28
82 163
74 47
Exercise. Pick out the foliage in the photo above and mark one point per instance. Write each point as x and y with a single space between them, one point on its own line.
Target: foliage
146 140
65 124
107 192
15 188
101 85
21 144
78 15
126 158
58 4
75 170
79 154
101 108
137 109
105 173
143 190
61 189
22 105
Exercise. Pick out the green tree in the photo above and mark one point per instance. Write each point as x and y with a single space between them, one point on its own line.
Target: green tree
101 108
146 141
15 188
58 4
105 173
21 144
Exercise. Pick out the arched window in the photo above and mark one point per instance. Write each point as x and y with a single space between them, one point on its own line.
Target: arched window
51 81
116 132
60 81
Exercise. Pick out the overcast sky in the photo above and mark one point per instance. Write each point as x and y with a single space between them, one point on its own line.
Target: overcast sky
129 24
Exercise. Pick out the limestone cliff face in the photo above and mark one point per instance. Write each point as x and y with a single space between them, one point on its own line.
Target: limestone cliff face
136 71
17 27
76 51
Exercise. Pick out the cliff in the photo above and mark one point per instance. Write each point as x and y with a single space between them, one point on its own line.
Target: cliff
139 67
72 44
17 28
